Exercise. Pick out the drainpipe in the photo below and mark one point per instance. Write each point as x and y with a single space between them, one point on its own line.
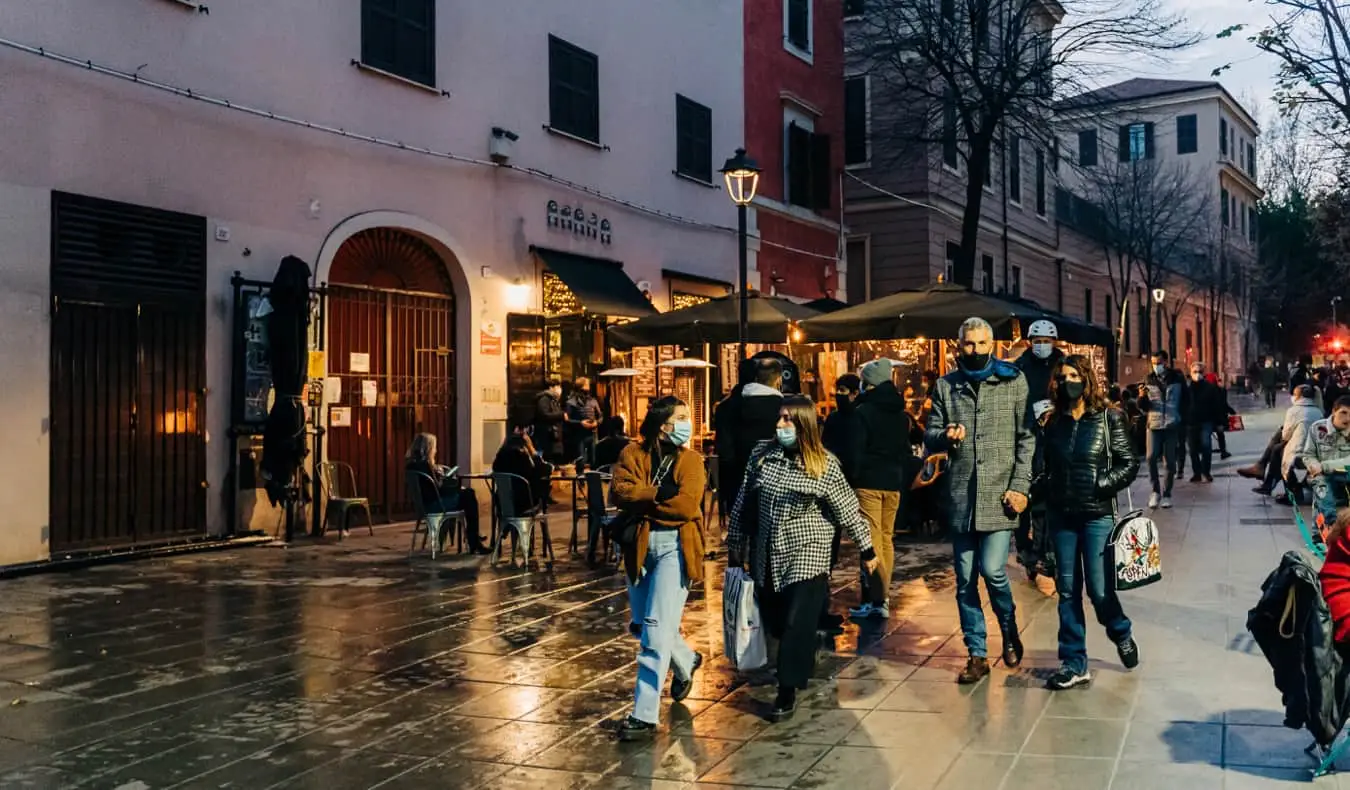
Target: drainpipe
1003 141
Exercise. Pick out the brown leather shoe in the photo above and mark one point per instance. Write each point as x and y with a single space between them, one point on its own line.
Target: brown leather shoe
976 669
1253 472
1012 648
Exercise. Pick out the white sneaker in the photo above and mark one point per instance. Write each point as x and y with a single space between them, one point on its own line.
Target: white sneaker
1153 500
882 612
1166 502
861 612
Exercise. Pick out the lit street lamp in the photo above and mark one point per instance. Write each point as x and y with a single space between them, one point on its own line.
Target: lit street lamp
742 178
1159 294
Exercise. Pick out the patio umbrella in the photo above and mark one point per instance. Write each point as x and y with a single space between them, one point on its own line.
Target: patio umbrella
687 363
937 311
715 321
288 335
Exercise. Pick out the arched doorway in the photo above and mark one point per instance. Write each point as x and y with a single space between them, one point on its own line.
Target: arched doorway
391 341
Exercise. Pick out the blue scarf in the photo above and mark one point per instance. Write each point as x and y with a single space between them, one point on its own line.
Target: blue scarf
980 375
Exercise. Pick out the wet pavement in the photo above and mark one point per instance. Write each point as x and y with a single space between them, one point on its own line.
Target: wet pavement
349 666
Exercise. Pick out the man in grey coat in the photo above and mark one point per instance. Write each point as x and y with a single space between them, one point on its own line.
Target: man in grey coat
981 419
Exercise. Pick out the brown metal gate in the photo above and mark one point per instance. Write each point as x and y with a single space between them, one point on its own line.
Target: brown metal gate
128 455
394 354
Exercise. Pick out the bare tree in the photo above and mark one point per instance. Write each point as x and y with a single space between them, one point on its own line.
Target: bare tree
962 74
1311 40
1291 161
1152 221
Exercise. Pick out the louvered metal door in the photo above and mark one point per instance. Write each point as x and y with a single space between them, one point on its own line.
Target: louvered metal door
128 455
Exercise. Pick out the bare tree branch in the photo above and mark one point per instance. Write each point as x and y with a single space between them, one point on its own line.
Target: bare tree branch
958 76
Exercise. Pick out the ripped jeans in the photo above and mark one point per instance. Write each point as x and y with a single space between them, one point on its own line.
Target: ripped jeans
657 604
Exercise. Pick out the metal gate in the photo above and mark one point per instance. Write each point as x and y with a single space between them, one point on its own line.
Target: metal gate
394 354
128 455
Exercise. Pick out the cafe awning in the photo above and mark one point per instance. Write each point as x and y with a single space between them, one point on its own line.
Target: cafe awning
600 285
937 312
714 321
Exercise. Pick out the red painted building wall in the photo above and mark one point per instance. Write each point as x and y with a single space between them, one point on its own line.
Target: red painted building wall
777 78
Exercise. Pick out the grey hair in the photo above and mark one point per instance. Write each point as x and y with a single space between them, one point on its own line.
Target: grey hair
972 323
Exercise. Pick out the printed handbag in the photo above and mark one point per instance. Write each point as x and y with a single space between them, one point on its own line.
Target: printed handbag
1132 551
1235 422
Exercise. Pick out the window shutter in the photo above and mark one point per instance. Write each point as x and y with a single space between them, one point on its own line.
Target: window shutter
799 165
1123 144
1148 141
855 120
821 172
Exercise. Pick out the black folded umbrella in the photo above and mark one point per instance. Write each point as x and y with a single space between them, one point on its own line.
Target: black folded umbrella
288 338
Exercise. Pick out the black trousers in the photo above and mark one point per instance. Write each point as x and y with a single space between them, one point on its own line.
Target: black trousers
791 615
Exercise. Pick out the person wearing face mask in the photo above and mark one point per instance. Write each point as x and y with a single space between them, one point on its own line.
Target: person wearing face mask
1207 406
1160 400
1088 461
982 419
549 417
794 498
876 467
661 482
1034 551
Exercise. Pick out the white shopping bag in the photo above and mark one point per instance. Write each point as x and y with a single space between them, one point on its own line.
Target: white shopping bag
742 630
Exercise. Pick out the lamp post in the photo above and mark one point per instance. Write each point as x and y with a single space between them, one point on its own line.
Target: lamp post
742 179
1159 294
1334 301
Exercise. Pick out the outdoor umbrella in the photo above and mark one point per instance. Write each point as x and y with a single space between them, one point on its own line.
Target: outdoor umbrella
937 311
714 321
288 351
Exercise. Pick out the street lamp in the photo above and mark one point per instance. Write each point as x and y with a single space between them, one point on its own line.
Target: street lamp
1334 300
742 179
1159 294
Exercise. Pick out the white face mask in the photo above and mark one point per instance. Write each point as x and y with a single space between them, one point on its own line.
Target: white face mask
1160 369
1042 350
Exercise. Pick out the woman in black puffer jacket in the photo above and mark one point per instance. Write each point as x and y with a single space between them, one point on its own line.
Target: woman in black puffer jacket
1088 461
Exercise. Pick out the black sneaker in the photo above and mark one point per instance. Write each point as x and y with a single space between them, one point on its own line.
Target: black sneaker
830 623
1128 651
1065 678
636 730
679 689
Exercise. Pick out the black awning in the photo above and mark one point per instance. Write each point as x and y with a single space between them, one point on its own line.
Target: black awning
600 285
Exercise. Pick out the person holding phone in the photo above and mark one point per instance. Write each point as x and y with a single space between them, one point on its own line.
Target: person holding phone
982 419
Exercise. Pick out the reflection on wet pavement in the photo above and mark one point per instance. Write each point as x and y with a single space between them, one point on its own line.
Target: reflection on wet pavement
347 666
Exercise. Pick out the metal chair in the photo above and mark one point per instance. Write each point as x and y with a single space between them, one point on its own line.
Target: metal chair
521 524
429 524
598 510
338 483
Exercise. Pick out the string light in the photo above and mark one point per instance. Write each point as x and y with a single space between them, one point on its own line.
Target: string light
227 104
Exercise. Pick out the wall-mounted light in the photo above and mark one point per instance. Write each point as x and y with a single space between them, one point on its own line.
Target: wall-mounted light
518 293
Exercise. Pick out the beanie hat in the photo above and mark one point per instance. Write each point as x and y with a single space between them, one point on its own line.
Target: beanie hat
876 372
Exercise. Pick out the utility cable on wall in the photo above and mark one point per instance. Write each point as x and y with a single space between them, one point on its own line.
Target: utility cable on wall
215 101
902 198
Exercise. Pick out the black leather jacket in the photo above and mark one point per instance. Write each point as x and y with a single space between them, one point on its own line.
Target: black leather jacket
1080 479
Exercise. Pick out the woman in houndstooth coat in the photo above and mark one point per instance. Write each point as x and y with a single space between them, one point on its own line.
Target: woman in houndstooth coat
793 498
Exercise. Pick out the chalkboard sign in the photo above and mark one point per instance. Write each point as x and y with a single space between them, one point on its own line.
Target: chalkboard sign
667 375
257 373
644 383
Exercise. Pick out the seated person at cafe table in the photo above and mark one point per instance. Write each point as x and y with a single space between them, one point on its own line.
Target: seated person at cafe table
442 493
517 456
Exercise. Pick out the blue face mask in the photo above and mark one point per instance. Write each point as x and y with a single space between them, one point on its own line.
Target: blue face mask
681 432
787 437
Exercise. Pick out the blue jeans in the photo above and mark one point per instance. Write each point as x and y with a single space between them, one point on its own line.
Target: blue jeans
657 604
1201 440
1329 494
1162 444
1080 543
986 552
